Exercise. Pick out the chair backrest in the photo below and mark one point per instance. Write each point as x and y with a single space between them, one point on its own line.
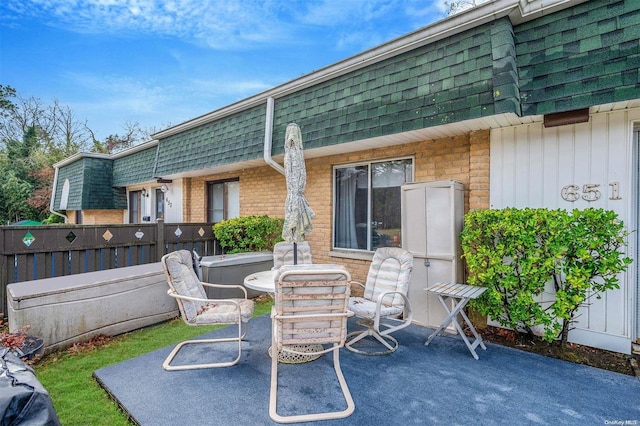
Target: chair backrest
182 279
312 290
390 270
283 254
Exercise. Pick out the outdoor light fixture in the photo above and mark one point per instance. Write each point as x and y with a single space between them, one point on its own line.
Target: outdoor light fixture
566 117
144 192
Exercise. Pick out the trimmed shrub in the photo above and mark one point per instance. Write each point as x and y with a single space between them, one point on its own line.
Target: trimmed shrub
248 233
516 252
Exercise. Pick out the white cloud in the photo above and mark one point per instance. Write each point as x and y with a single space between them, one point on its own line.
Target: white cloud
219 24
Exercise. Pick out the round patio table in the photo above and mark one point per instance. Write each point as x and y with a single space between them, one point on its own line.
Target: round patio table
262 281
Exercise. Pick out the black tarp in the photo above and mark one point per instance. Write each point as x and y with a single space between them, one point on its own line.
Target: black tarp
23 399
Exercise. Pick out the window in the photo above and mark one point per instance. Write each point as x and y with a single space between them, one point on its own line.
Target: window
367 204
135 206
223 200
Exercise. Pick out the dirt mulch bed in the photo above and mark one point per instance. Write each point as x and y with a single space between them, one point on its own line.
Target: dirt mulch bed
599 358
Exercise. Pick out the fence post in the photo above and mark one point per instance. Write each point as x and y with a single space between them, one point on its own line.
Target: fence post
160 243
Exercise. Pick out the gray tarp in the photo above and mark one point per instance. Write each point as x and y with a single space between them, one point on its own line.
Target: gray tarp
23 400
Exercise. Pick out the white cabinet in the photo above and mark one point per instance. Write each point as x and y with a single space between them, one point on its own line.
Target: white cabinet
432 219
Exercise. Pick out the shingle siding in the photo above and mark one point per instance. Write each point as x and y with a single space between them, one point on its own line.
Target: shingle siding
90 186
75 174
134 168
579 57
447 81
232 139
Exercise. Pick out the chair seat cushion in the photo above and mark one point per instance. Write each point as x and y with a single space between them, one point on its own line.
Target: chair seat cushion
224 313
365 308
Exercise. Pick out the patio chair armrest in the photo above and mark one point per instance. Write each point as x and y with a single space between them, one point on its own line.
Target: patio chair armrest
407 304
357 283
226 286
200 299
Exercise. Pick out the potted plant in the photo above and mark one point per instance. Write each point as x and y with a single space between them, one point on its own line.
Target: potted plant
28 348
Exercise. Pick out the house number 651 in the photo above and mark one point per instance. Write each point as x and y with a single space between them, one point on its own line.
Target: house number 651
590 192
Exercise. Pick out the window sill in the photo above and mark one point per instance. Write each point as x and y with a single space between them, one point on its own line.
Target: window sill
358 255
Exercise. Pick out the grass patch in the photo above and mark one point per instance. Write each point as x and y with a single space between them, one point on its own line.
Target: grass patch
67 375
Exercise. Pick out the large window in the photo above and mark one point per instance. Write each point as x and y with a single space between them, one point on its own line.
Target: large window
223 200
367 204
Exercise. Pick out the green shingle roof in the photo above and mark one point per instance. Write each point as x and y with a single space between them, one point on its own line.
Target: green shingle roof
579 57
134 168
90 186
231 139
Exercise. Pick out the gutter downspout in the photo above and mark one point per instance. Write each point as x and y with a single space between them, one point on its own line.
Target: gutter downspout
53 196
268 139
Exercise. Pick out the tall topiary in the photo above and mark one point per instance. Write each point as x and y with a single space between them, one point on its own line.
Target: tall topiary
248 233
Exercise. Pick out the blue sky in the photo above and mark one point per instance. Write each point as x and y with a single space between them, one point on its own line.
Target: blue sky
160 63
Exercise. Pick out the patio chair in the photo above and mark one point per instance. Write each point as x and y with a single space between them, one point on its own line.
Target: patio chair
384 308
283 254
196 309
310 310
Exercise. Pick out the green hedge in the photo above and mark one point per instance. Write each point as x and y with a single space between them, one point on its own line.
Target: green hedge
516 252
248 233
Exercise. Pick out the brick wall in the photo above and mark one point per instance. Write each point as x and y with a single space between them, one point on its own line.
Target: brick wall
101 217
263 190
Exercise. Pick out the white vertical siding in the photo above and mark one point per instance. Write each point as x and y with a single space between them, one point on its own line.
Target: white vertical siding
531 164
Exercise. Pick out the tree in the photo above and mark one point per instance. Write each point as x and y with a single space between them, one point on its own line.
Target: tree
133 135
454 7
33 137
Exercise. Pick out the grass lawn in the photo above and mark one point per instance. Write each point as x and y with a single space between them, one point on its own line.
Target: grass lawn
67 376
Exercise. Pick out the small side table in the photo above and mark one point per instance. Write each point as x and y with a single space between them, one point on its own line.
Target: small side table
460 295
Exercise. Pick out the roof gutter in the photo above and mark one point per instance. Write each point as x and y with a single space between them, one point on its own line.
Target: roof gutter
268 137
53 196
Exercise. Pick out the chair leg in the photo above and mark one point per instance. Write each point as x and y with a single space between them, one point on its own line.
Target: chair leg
382 336
310 417
388 341
167 362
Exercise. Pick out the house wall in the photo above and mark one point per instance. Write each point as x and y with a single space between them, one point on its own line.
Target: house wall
101 217
530 166
263 190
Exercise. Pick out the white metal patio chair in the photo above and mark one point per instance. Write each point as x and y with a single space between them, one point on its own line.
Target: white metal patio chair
196 309
283 254
384 308
310 309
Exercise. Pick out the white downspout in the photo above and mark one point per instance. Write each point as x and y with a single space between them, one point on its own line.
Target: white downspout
53 196
268 130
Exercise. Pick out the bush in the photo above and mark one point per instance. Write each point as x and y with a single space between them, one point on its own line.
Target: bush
248 233
516 252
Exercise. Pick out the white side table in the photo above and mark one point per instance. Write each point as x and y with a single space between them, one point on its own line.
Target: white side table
460 295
